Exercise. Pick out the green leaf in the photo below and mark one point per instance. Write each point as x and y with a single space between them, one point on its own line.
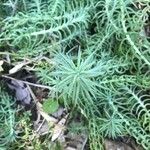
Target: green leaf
50 106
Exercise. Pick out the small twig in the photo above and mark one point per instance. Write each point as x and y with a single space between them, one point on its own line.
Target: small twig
8 58
6 53
40 126
84 143
28 83
32 94
38 118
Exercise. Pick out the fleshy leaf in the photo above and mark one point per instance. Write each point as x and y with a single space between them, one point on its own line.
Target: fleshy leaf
50 106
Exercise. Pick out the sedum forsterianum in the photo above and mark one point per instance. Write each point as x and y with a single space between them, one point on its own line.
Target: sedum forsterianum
108 78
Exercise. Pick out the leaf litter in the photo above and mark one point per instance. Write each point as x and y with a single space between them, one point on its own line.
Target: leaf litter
54 121
21 92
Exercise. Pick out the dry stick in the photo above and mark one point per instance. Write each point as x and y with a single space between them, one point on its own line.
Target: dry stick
28 83
40 126
84 143
8 53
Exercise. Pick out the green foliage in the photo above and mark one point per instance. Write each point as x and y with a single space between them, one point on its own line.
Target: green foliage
76 80
27 138
139 133
80 78
7 119
125 20
140 106
111 126
50 106
45 23
100 57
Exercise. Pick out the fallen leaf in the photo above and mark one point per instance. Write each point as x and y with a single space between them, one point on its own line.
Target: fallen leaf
21 92
20 65
59 129
58 113
16 68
